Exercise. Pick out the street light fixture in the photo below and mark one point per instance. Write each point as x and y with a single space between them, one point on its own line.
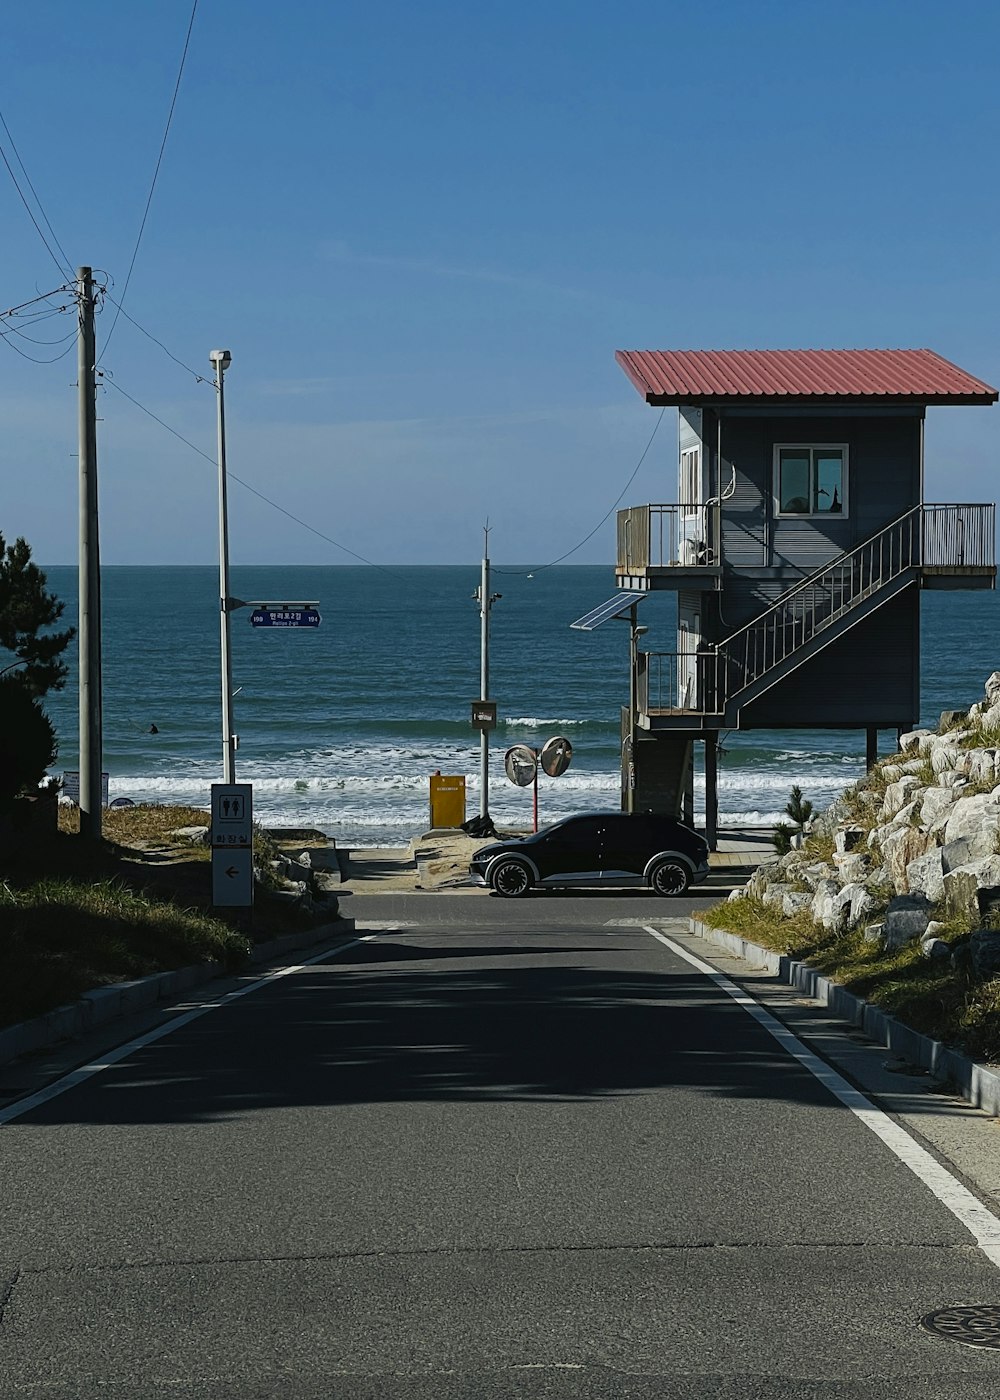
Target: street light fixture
220 361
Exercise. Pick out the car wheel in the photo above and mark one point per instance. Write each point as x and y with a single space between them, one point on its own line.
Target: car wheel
510 879
670 877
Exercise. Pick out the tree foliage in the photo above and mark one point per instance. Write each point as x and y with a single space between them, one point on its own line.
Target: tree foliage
27 741
27 609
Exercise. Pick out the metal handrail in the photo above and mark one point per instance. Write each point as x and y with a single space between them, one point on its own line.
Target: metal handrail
928 536
668 536
838 587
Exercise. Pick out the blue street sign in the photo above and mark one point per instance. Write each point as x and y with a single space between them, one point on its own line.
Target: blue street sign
285 617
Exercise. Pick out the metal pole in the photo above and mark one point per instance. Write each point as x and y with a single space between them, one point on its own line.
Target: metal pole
222 359
89 565
484 678
534 804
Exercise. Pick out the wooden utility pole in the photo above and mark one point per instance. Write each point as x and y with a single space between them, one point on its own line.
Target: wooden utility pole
89 564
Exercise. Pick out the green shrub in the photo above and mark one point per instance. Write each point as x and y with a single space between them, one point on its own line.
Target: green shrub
27 741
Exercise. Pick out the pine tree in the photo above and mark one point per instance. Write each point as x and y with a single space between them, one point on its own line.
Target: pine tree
27 609
799 810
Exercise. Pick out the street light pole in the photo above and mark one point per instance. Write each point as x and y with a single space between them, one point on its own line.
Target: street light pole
221 360
486 601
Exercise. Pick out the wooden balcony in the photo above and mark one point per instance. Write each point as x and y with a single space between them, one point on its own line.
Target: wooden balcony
669 546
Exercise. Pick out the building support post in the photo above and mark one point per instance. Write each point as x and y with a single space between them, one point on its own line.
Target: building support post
687 810
89 565
712 791
871 748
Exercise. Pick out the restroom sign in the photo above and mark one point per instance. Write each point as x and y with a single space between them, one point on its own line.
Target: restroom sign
232 814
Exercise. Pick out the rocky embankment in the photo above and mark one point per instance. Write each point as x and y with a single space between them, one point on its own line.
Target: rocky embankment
913 851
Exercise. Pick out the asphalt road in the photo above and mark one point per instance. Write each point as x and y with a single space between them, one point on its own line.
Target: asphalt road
502 1150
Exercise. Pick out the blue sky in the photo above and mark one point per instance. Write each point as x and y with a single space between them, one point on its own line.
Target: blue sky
424 230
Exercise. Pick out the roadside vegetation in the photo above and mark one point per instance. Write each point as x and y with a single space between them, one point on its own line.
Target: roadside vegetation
940 997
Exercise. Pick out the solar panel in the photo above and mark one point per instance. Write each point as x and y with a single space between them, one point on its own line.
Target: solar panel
617 606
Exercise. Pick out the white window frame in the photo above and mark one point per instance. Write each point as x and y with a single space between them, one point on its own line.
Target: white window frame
690 475
810 447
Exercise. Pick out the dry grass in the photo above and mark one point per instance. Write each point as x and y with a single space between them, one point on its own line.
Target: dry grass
76 914
935 997
61 937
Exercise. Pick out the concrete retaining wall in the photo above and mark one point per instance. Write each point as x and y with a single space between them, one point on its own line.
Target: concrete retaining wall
979 1084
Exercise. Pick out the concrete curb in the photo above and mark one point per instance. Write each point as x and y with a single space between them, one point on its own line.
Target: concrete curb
976 1083
106 1004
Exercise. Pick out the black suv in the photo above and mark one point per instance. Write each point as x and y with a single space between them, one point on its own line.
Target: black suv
600 848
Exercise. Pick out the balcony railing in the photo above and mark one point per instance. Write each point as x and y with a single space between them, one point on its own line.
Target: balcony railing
938 538
962 537
667 536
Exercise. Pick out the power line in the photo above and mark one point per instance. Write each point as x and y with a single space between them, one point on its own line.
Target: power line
61 270
518 573
200 378
43 296
245 484
67 266
159 159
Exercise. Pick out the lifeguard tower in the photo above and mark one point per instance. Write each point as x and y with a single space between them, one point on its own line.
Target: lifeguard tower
798 546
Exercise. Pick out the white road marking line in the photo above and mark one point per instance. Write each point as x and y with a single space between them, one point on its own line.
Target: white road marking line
964 1206
121 1052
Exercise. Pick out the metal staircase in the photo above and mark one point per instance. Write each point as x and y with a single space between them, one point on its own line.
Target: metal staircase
929 540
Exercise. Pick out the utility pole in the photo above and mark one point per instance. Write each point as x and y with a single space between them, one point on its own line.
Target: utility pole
89 565
221 360
486 601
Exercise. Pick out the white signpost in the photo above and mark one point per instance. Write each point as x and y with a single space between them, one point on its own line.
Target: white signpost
232 844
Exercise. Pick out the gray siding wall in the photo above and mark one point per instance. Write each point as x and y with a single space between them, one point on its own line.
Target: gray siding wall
883 483
869 677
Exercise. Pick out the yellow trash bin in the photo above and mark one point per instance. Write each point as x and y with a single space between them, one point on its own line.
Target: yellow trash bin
447 800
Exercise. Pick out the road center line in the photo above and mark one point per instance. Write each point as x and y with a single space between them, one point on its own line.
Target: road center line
964 1206
121 1052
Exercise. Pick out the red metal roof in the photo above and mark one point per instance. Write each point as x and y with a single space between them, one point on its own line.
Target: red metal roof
742 376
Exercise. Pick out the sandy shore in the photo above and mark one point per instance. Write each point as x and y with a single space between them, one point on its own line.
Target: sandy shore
435 860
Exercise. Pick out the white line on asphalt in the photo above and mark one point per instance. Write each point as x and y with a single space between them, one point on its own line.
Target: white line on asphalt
121 1052
966 1208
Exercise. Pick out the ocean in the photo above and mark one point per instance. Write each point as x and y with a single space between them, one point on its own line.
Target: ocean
341 726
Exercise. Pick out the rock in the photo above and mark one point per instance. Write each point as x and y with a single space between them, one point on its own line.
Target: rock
825 909
970 816
857 904
967 849
925 875
908 742
906 918
935 948
935 805
305 859
774 895
954 717
988 900
984 951
982 768
944 758
875 933
852 868
961 886
899 848
897 795
848 838
796 902
891 772
326 881
196 835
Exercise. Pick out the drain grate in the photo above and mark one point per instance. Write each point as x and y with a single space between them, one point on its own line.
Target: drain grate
977 1326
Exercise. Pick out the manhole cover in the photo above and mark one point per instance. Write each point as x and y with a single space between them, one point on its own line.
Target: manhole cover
976 1326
